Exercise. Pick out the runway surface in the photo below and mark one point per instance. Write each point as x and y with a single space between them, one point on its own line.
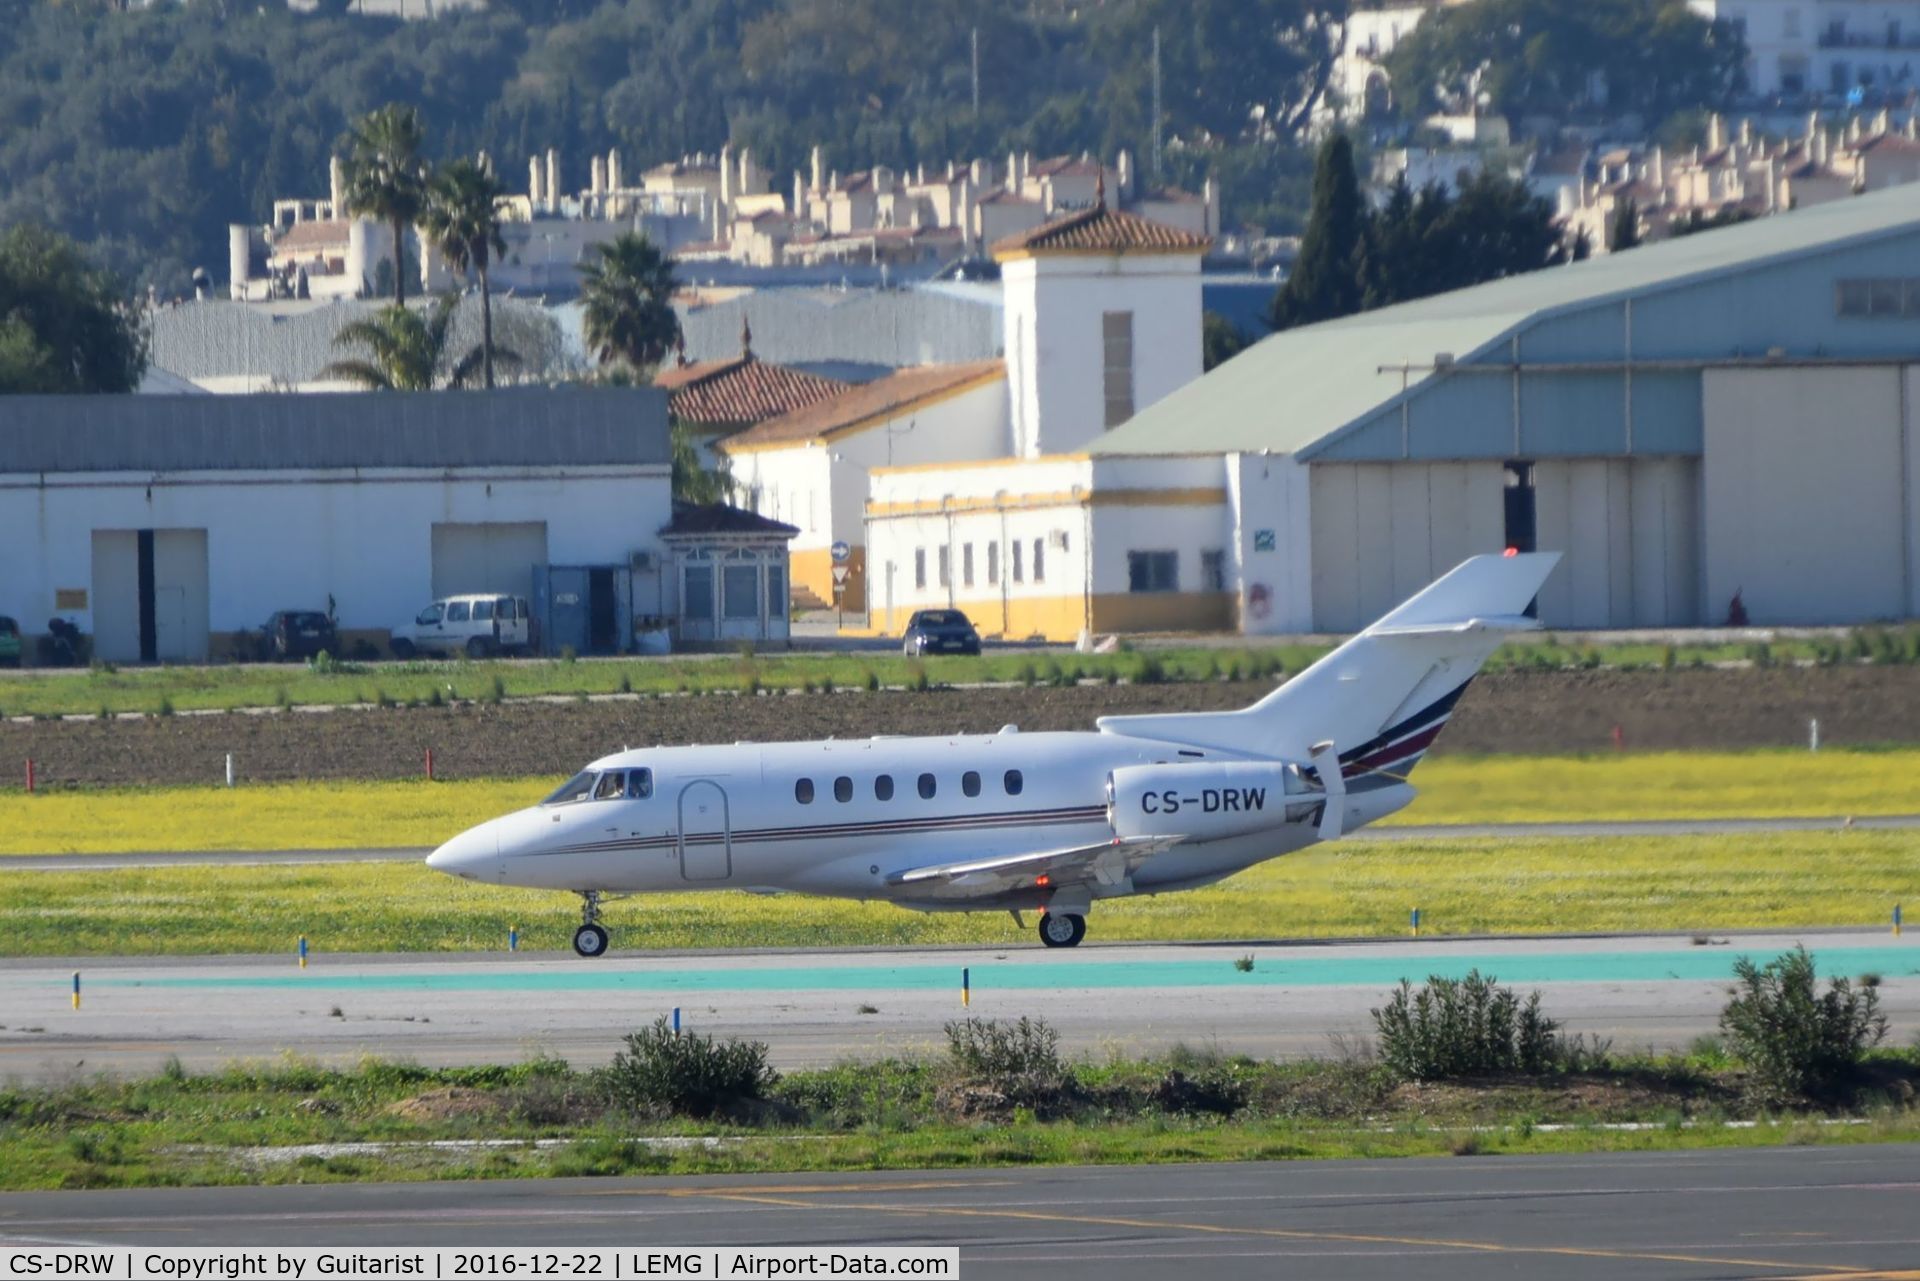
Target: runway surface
1748 1212
815 1007
1446 831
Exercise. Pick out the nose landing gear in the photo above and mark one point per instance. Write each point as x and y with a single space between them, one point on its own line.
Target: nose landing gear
1063 930
590 939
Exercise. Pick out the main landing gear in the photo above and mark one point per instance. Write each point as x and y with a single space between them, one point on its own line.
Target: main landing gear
591 938
1062 931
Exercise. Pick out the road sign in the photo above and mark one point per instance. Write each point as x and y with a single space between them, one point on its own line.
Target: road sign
840 552
839 574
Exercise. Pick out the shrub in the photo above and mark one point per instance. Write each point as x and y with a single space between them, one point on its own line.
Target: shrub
498 691
826 685
1464 1027
1760 654
1148 670
686 1074
1795 1041
1028 673
917 679
871 679
1244 963
1003 1053
165 708
626 683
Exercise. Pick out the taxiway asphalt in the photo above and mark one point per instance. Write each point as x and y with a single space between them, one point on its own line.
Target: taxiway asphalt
816 1007
1828 1212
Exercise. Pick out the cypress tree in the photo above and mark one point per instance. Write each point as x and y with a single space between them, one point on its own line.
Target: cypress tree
1625 231
1324 283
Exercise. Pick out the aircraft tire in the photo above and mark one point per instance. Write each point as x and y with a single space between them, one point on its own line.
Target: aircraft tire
1051 926
590 941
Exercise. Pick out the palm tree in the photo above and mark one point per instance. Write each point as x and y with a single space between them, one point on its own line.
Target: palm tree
407 351
387 179
627 291
462 217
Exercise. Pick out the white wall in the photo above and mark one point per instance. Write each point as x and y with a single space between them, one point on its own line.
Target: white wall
1271 495
287 540
1382 531
1055 350
1809 493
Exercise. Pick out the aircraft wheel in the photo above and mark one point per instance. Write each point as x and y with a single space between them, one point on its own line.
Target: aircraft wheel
1062 931
590 941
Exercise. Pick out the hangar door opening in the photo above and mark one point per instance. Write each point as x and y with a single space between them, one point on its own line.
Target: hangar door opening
150 595
487 557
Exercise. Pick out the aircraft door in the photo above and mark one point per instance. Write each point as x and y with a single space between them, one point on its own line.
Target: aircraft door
706 835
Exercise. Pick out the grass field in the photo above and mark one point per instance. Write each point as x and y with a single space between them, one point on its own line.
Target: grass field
1779 880
153 690
1456 789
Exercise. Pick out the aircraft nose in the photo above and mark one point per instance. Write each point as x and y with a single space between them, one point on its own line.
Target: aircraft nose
468 854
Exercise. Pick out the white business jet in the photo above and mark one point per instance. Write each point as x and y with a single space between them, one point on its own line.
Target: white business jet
1024 822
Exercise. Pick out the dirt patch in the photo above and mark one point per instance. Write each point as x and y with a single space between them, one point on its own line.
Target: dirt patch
1527 712
447 1104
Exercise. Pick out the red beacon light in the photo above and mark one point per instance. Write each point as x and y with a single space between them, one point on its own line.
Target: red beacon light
1511 551
1043 881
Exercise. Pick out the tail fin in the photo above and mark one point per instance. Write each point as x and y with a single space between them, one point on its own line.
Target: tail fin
1384 695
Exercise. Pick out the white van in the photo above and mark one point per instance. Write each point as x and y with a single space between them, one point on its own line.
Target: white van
477 626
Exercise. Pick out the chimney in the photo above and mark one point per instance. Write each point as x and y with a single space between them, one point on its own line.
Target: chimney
1716 131
816 168
1746 131
1813 126
598 174
1013 173
1123 173
613 169
1210 193
920 175
533 184
749 173
1657 169
1773 184
239 260
833 180
726 176
949 171
337 186
799 193
977 171
553 178
964 211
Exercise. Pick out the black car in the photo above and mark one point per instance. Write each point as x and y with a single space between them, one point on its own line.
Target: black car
296 633
940 631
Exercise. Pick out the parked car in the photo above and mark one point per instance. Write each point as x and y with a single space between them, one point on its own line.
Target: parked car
940 631
295 633
477 626
9 642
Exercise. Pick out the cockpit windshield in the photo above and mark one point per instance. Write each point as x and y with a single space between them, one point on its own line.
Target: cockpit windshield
579 787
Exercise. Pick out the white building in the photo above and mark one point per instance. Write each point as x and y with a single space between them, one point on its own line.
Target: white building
164 526
1359 83
1796 47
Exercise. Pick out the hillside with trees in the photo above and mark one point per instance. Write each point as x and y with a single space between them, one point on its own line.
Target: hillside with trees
143 134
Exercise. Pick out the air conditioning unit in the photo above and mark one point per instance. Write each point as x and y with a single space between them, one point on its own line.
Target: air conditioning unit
645 562
1058 540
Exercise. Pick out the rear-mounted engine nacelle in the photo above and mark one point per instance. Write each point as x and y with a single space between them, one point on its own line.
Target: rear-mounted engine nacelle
1208 801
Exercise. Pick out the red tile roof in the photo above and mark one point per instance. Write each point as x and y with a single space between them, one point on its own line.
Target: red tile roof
1100 230
740 390
324 233
867 404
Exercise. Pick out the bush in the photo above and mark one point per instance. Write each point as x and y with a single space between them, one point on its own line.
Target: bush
996 1052
1796 1042
685 1074
1464 1027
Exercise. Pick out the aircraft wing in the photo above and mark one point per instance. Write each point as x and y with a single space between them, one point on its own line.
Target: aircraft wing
1106 863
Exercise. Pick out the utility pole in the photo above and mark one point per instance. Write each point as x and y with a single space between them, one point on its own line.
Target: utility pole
1156 106
976 72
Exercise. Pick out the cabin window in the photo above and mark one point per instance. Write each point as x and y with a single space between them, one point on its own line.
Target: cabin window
803 791
639 784
612 786
1014 783
927 787
970 783
573 789
883 788
843 789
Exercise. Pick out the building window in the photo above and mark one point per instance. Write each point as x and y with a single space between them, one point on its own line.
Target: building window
803 791
1213 571
1039 560
1116 334
1882 298
970 783
740 591
946 566
966 564
920 568
993 564
776 591
927 787
883 787
1018 575
1014 783
696 596
1153 571
843 789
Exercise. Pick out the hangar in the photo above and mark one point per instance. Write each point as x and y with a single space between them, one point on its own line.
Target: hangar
1727 413
167 526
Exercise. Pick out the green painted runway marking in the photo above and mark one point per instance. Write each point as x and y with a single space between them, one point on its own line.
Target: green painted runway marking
1694 964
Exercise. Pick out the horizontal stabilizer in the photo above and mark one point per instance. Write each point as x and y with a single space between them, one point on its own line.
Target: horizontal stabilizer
1107 863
